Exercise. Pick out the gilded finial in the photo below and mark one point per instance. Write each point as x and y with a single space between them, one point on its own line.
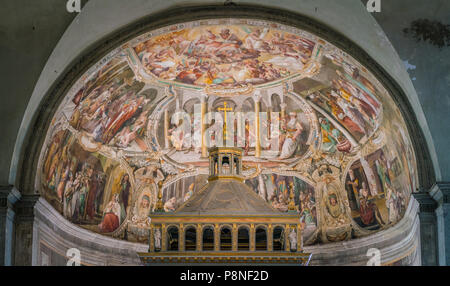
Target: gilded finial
291 205
159 204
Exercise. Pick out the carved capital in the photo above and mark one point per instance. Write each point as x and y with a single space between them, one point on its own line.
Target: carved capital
8 196
257 96
440 192
426 203
25 207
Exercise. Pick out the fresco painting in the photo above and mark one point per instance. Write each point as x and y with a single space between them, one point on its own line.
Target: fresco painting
382 205
276 190
312 122
225 55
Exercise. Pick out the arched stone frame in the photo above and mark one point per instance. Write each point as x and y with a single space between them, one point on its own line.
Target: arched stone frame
247 228
265 228
168 228
203 228
221 228
282 235
185 230
27 165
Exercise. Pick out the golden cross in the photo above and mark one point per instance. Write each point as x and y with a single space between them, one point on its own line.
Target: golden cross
225 109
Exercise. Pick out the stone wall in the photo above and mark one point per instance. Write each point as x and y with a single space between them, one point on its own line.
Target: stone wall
54 235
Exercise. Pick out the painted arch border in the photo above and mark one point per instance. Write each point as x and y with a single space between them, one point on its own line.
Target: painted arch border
35 137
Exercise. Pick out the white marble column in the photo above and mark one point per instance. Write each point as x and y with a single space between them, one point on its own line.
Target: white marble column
283 110
428 229
204 110
166 129
24 222
440 192
257 98
8 197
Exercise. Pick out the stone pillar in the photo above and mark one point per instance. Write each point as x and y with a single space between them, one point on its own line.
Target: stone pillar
252 237
151 239
199 238
181 237
257 126
204 108
269 237
163 237
283 110
232 164
166 129
299 238
441 194
269 119
287 230
219 166
234 238
8 197
23 244
428 229
216 237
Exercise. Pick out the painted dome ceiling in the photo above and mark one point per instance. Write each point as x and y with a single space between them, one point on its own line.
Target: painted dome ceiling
310 119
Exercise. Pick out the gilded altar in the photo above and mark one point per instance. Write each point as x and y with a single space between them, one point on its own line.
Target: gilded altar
225 222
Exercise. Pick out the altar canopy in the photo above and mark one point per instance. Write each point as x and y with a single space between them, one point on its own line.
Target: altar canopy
225 222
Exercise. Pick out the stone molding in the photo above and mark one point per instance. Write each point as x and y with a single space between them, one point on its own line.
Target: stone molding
53 229
394 243
440 192
426 202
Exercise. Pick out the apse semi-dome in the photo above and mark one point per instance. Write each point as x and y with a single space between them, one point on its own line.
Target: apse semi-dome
309 118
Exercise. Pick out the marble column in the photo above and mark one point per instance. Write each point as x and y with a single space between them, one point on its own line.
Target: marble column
181 236
204 108
299 238
8 197
441 194
216 237
283 110
163 238
257 126
252 237
24 221
269 238
166 129
199 238
234 238
428 228
151 239
269 119
231 163
287 230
